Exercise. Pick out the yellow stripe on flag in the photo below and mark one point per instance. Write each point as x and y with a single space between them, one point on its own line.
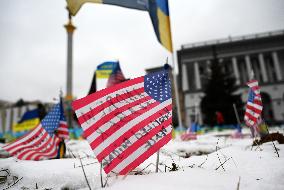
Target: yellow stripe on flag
26 125
103 74
165 30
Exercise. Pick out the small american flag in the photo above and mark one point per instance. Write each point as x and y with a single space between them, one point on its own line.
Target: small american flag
116 76
127 123
40 143
254 104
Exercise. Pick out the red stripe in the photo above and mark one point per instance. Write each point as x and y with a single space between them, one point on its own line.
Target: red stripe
10 149
121 123
33 146
135 146
111 115
77 104
146 154
129 133
250 116
106 104
48 154
255 110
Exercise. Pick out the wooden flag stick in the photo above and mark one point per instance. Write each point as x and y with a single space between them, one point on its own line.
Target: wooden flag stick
237 115
157 161
85 173
271 139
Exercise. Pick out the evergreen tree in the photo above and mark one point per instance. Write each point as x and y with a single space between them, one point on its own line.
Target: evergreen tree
219 95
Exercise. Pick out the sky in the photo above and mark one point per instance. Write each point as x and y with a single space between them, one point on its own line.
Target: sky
33 41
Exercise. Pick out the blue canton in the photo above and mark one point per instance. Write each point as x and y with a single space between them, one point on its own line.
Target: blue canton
51 120
251 96
158 86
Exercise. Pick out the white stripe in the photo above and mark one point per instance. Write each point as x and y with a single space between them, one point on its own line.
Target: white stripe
128 126
96 103
47 154
253 84
132 157
31 150
24 146
133 139
256 106
64 129
252 113
249 120
32 133
106 111
109 124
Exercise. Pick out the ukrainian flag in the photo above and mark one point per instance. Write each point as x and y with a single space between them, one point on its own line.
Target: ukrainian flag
158 10
29 120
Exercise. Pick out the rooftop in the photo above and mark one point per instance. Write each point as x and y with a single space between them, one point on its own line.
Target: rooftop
233 39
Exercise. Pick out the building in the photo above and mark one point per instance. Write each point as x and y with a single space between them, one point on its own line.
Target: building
263 53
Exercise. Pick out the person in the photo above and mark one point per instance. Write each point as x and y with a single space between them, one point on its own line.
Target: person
219 118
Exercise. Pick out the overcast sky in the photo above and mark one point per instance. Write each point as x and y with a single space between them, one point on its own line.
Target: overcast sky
33 40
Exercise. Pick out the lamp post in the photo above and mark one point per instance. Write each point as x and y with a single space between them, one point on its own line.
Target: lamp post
69 96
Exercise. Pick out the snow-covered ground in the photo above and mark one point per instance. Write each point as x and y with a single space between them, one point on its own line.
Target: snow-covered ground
197 162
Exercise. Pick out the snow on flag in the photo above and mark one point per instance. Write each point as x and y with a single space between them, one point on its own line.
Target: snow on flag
127 123
254 104
40 143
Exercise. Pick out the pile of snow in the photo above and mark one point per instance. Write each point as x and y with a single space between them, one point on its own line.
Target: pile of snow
198 163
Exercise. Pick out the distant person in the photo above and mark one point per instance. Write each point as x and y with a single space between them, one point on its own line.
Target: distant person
219 118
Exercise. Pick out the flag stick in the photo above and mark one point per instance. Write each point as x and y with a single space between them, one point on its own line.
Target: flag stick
157 161
85 173
101 173
271 139
237 115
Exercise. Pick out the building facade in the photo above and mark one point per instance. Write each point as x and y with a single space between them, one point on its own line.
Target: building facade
261 53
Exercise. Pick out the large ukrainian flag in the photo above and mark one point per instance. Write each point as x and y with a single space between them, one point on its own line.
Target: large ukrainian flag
158 10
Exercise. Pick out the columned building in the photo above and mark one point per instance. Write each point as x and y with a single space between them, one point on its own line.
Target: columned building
261 53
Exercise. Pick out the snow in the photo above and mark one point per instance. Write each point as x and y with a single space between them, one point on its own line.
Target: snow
197 162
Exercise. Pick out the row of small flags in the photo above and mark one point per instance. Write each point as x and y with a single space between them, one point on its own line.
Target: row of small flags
125 123
41 143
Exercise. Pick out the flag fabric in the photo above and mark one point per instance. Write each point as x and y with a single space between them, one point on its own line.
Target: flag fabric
116 76
254 104
127 123
29 120
105 69
62 130
158 11
40 143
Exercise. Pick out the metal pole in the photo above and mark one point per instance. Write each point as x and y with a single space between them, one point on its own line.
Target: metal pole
176 94
157 161
237 115
69 96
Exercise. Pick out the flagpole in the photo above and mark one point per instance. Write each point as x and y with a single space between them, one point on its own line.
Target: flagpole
237 115
180 126
70 28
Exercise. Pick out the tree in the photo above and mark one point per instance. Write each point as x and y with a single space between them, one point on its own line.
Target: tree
219 95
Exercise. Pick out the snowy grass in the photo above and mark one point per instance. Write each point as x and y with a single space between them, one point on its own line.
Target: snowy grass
199 167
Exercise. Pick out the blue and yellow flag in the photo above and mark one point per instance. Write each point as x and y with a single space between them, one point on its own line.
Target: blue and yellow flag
105 69
158 10
29 120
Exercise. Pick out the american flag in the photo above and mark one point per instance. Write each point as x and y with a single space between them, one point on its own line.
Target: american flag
254 104
116 76
40 143
127 123
62 130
